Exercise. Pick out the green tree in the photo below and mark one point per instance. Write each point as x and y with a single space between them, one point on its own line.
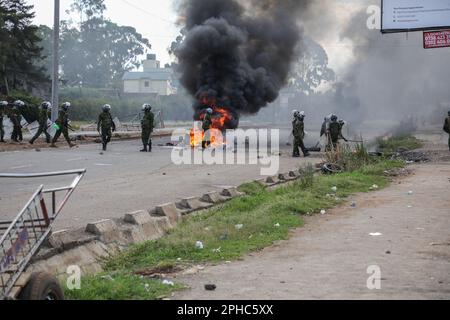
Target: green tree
19 47
311 69
87 9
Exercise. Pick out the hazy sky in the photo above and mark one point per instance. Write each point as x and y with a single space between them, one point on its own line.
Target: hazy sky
154 19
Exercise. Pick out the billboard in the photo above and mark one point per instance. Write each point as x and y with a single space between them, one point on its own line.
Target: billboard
414 15
436 39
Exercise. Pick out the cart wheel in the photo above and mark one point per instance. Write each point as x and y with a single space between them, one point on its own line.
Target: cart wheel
42 286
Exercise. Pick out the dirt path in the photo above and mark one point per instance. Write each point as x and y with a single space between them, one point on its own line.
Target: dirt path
329 257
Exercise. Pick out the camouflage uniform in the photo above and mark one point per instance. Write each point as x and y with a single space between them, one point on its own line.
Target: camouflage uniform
16 119
447 129
43 118
63 127
299 134
107 126
335 133
147 124
206 126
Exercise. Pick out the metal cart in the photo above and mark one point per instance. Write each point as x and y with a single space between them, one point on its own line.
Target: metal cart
21 239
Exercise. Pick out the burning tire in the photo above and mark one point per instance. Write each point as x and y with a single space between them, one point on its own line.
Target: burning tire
42 286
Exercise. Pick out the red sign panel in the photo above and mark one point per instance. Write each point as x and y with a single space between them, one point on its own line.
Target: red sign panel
436 39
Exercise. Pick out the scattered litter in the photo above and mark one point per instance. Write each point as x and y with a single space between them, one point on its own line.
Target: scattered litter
179 259
147 287
239 226
277 225
228 262
410 192
210 287
334 189
376 234
168 283
329 195
199 245
409 207
251 236
107 277
322 212
337 199
375 186
207 229
217 250
353 205
388 252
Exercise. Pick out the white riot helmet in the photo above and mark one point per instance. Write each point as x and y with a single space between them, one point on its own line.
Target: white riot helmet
46 105
66 105
106 107
146 107
19 103
3 103
209 111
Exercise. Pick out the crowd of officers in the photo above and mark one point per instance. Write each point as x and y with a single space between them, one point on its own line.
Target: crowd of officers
16 111
331 128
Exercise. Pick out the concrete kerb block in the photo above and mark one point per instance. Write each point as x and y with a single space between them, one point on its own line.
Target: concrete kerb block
193 204
294 174
68 239
231 192
170 211
212 197
138 218
282 177
262 181
107 230
272 180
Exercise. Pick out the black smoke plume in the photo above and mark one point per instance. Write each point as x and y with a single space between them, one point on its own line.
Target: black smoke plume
237 54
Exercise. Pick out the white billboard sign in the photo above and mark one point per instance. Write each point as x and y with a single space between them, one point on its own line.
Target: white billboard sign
415 15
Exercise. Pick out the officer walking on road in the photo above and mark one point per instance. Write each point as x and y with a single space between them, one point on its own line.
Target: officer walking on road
16 119
3 105
206 127
147 124
298 130
106 125
447 128
334 132
62 125
43 125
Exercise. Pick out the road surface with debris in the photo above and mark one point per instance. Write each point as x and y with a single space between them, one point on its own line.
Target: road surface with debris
402 231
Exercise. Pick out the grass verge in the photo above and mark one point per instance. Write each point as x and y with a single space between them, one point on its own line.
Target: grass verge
227 232
399 143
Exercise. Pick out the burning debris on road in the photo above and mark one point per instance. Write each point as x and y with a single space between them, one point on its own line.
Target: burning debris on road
236 57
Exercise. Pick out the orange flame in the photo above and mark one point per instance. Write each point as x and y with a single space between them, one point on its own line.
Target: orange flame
219 119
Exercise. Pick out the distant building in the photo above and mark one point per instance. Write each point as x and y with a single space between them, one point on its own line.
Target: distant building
152 80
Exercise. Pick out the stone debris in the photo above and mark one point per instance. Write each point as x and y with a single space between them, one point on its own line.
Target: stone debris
239 226
322 212
210 287
168 283
375 234
199 245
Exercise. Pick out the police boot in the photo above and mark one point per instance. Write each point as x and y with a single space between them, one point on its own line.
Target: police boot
150 146
31 141
145 148
104 146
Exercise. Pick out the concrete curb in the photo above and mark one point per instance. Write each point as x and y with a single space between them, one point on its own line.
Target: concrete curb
88 247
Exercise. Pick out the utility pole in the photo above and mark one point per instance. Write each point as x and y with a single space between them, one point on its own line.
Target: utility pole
55 78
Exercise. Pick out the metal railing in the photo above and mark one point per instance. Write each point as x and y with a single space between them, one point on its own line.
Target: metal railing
21 238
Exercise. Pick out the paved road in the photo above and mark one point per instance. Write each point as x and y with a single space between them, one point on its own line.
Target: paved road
329 257
120 181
